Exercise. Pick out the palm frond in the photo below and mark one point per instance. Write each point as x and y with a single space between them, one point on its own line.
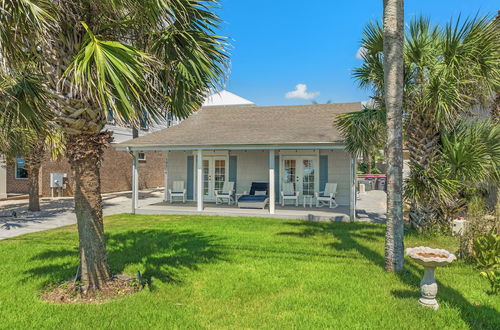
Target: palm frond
113 75
24 101
363 131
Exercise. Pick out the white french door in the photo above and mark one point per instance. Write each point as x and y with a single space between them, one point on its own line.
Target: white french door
302 172
215 173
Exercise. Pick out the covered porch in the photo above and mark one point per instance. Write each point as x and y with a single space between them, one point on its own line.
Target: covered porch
204 171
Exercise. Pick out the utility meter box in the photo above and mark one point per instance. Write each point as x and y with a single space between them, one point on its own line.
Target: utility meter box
57 180
458 227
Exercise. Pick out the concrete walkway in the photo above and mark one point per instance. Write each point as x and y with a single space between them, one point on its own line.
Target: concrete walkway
372 206
57 212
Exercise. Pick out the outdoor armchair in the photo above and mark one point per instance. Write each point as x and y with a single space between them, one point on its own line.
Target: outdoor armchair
289 193
177 191
227 193
327 197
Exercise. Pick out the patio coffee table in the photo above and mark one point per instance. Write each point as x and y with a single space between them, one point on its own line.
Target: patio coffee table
308 199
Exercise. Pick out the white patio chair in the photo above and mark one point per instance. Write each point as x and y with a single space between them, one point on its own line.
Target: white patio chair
289 193
177 190
227 193
327 197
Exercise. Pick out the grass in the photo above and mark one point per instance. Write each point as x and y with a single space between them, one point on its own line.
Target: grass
215 272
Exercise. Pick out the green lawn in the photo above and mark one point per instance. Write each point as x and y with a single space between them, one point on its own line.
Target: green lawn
215 272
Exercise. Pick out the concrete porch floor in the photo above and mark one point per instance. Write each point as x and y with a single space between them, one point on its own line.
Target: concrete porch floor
341 213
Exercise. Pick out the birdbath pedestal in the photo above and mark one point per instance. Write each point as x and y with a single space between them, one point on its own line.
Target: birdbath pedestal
429 258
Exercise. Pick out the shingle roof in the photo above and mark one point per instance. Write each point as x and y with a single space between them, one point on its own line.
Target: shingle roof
275 125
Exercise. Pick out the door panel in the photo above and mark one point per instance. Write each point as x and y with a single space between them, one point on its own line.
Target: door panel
220 174
206 177
308 177
289 171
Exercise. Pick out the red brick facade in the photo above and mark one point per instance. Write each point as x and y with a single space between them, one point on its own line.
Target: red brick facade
116 173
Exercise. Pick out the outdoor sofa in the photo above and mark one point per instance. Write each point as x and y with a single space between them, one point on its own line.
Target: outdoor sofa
257 198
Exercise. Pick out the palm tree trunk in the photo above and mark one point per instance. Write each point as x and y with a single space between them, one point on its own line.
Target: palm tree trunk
84 154
368 162
423 146
34 193
33 163
393 83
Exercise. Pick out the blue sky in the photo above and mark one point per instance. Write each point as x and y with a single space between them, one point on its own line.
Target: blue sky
278 44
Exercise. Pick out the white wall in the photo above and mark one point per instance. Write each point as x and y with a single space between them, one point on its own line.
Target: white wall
177 167
339 171
253 166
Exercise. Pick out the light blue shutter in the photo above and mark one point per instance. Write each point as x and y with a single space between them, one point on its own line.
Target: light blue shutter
190 177
233 175
277 178
323 172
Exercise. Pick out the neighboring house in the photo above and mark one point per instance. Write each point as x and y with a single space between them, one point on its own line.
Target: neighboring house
115 171
245 144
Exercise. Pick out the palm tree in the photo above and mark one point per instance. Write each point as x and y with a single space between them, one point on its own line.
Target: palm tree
138 59
21 133
364 132
447 71
469 157
393 97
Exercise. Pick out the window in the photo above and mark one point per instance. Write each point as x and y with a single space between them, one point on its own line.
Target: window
141 156
21 172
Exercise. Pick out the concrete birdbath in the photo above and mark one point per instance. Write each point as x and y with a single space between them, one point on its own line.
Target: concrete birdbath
429 258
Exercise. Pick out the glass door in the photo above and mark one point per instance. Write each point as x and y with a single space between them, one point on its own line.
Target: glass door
214 176
301 171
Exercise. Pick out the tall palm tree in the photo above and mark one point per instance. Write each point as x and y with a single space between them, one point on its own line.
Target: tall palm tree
393 97
447 71
138 59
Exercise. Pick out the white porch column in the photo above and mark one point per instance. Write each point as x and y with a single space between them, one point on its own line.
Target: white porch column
3 177
199 181
271 182
135 181
165 179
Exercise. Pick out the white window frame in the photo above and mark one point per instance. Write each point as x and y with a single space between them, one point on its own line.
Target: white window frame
16 167
139 158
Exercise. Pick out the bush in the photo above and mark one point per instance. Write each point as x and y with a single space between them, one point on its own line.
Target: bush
487 256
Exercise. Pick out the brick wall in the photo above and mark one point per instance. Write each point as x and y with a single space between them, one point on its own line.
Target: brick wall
15 186
116 172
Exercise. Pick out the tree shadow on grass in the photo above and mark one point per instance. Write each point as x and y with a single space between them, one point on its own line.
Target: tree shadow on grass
348 237
159 254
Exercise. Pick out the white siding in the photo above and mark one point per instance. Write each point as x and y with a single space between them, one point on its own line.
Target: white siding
177 167
339 171
253 166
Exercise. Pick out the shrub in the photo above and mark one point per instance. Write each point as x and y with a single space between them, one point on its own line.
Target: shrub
487 256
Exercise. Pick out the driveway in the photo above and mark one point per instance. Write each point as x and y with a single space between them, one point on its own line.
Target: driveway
57 212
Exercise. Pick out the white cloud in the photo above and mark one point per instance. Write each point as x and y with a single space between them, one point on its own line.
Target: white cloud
361 51
301 92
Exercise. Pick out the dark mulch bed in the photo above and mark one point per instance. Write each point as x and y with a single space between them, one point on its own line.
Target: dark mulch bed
71 292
